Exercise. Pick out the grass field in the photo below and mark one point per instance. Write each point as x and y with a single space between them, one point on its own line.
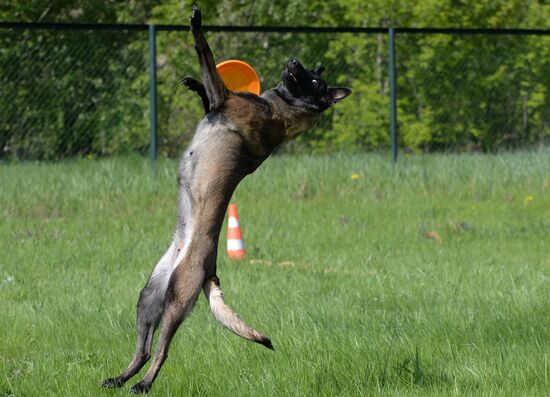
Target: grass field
339 273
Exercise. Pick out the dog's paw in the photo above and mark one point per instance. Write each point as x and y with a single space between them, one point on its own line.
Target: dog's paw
195 19
191 84
139 388
112 383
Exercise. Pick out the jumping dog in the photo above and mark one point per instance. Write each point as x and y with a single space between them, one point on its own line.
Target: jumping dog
239 131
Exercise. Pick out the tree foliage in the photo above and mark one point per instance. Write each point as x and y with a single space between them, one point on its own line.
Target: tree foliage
81 92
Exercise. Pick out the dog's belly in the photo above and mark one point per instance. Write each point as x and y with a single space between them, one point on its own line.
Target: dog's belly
210 170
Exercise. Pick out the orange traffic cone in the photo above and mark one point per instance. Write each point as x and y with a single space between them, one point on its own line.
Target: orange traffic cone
235 246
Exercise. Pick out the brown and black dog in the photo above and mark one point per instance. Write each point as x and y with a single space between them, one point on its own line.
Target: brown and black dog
239 132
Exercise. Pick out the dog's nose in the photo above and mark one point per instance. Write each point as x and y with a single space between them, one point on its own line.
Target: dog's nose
293 63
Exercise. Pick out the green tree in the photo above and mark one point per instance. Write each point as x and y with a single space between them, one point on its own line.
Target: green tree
81 92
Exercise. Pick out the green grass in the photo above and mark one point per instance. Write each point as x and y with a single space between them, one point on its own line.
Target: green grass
339 273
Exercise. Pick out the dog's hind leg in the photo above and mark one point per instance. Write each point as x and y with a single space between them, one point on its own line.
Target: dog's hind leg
181 295
227 317
149 311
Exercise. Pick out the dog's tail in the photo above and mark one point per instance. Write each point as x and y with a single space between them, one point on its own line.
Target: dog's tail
227 317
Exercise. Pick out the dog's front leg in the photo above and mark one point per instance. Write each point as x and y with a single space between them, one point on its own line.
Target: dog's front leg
194 85
216 90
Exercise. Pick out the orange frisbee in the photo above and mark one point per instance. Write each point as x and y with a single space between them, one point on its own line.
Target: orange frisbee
239 76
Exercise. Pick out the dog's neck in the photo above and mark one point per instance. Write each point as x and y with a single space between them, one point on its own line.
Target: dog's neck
295 119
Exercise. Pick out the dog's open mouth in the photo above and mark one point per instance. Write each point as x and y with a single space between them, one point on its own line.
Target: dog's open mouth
291 80
293 77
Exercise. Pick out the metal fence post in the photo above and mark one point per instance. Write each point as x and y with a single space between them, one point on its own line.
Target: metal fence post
393 97
153 90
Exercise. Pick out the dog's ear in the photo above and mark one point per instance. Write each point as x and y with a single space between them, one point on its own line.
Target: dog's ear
336 94
319 70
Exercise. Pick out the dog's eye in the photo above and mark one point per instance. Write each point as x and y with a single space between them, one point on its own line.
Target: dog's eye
315 82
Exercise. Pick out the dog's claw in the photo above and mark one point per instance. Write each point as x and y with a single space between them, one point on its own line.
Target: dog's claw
196 18
139 388
112 383
191 83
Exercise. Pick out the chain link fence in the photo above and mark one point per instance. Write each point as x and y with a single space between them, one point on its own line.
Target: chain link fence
83 90
72 92
474 91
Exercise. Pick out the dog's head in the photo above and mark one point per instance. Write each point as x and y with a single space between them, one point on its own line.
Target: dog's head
305 88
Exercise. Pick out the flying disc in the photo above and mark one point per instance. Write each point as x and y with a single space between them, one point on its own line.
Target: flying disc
239 76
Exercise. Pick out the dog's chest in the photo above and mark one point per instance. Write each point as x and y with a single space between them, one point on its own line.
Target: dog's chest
253 119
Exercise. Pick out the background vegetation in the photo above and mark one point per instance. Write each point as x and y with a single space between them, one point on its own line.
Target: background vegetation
69 92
